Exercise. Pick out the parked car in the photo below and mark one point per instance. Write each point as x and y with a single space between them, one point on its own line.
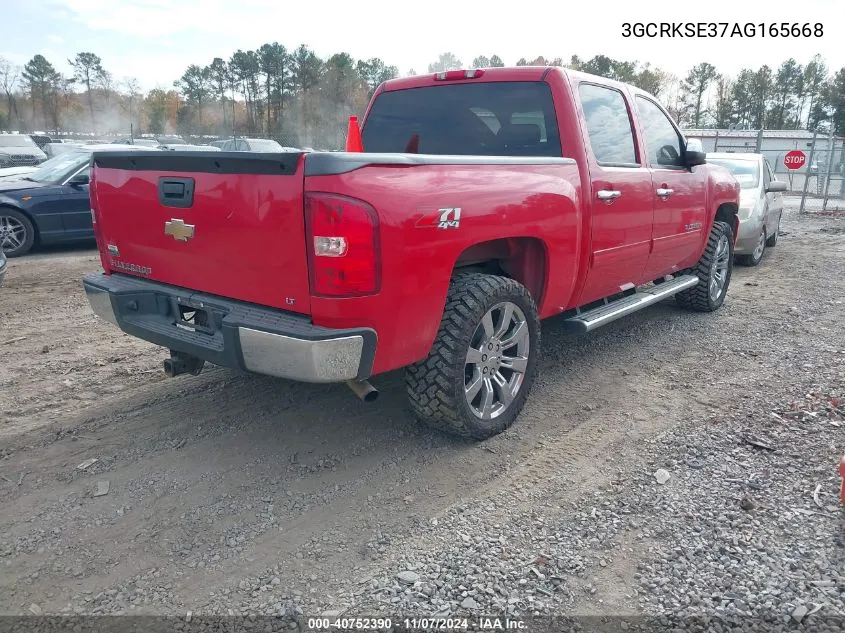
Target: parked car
219 143
50 204
265 145
145 142
190 148
760 203
41 140
333 267
2 262
54 149
19 150
170 140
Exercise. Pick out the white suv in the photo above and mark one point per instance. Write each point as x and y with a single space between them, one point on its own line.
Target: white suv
19 150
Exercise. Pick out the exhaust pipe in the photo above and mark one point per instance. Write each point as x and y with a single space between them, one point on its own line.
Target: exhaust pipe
363 389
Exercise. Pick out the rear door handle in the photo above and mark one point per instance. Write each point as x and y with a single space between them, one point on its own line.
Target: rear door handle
664 193
608 194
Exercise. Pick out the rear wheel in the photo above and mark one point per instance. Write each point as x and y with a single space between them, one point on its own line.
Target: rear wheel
17 235
478 374
713 271
756 256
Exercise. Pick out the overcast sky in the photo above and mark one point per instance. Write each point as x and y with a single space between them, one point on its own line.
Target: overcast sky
154 40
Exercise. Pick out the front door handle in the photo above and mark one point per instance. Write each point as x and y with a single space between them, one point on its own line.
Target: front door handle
608 194
664 193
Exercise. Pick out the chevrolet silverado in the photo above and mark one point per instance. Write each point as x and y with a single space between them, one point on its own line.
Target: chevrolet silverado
483 201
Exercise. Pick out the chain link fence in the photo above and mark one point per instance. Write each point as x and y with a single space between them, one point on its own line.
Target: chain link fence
820 179
823 188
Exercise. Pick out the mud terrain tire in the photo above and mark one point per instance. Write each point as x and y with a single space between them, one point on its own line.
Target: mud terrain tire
483 362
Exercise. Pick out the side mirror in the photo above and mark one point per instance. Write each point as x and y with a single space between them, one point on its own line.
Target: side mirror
776 186
79 179
694 153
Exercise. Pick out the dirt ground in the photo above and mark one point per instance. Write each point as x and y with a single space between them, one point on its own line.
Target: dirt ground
229 491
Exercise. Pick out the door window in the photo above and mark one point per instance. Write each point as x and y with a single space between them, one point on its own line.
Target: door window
662 139
608 126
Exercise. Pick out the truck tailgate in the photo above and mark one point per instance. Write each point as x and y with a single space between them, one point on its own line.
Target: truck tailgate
229 224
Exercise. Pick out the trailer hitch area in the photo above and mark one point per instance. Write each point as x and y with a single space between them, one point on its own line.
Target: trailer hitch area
180 363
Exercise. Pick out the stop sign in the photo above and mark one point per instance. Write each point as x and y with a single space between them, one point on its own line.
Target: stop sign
794 159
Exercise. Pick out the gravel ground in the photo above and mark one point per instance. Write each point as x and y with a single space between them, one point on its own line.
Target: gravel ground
670 465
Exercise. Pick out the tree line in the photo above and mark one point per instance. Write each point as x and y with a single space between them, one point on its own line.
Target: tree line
296 96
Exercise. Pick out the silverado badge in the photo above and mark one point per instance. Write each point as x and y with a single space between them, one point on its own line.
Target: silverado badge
178 230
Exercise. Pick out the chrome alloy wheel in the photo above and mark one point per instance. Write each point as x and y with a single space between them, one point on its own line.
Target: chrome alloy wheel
761 246
12 233
719 268
496 361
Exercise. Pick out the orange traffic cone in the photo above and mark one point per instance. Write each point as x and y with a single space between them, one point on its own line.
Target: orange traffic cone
353 136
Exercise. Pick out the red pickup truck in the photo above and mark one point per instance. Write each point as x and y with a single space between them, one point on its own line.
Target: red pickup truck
483 201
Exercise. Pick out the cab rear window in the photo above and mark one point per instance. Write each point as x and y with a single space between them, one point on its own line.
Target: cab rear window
477 119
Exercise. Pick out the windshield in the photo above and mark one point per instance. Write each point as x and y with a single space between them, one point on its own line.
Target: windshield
57 169
258 145
485 119
15 140
746 172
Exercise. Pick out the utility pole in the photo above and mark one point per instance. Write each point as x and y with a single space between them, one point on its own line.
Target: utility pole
842 169
829 164
809 164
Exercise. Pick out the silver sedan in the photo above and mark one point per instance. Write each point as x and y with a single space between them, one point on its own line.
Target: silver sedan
760 203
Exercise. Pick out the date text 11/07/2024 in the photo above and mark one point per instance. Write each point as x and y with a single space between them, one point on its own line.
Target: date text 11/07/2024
779 30
481 623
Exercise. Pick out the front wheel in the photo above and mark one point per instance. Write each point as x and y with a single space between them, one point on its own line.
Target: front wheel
17 235
478 374
713 271
755 257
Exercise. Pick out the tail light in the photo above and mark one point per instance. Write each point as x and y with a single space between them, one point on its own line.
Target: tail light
344 258
95 209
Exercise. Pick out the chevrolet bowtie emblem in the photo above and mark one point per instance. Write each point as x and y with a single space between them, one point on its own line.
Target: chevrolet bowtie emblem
178 230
